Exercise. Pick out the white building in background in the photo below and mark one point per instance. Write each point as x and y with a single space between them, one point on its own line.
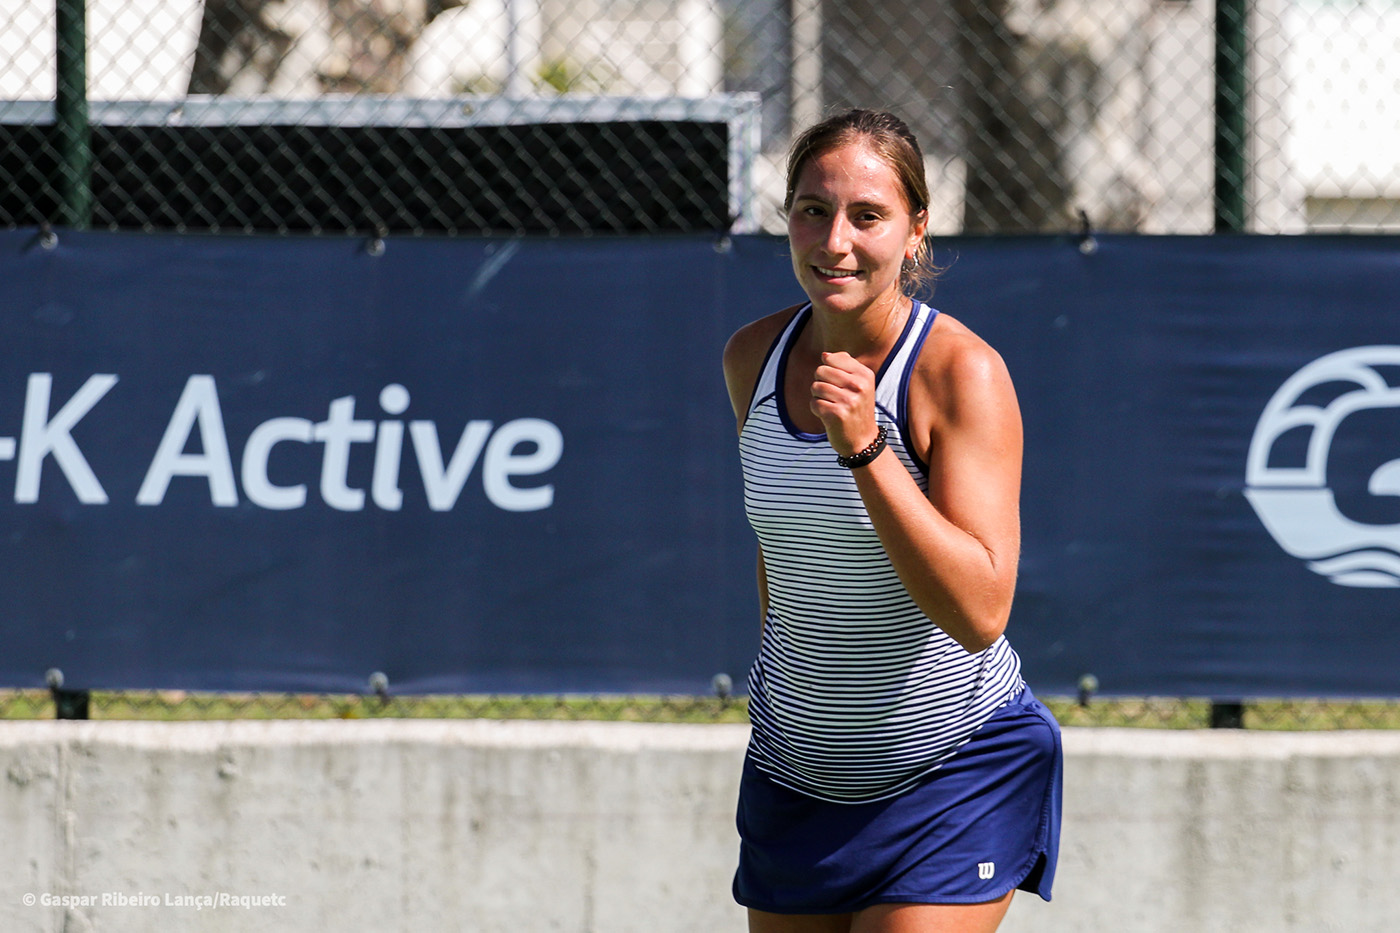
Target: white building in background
1344 111
144 49
1179 72
627 48
1324 111
137 49
485 47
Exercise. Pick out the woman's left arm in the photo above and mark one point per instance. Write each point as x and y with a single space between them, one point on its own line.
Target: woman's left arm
955 549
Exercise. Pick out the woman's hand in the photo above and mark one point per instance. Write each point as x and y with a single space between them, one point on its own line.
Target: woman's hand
843 397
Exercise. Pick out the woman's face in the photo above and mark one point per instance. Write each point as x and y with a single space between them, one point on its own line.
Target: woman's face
850 230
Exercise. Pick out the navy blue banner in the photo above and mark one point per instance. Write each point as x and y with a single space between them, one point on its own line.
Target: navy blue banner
262 463
283 464
1211 502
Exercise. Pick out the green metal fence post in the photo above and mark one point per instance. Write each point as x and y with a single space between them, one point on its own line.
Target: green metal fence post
71 117
1231 139
1231 118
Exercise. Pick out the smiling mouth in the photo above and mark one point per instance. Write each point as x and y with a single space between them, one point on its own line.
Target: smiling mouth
836 273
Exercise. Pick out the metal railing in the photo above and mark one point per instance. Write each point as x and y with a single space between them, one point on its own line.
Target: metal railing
1283 714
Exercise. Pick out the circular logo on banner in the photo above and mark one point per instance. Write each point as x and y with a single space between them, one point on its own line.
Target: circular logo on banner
1286 477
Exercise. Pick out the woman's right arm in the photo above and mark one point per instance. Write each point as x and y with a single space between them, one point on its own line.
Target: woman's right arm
744 355
743 358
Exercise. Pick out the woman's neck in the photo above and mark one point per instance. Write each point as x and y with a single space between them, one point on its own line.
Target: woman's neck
867 336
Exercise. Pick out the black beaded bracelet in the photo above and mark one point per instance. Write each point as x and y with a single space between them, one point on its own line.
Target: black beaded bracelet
861 457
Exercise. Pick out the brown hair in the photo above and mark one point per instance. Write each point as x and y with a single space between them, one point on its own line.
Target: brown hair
889 138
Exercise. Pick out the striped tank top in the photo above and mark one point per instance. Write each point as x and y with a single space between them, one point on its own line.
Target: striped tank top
856 694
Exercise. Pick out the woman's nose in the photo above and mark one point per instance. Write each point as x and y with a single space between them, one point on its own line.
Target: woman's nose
838 234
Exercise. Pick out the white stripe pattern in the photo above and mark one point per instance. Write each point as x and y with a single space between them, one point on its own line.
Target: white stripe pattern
855 694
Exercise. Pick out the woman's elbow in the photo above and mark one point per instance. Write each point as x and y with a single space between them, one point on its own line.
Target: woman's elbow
981 635
983 627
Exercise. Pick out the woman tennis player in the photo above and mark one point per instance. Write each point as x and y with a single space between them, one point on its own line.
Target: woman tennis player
900 775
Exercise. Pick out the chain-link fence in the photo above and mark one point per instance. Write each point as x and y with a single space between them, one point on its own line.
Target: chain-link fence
642 116
545 116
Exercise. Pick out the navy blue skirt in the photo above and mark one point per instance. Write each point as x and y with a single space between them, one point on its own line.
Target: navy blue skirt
987 821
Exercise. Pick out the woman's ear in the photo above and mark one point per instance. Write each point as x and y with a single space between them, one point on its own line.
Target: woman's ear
916 235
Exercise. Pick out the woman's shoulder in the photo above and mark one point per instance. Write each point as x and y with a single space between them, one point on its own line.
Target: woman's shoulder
747 349
749 345
755 337
957 368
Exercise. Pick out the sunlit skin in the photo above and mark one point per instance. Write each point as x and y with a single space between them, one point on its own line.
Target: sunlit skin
849 232
955 547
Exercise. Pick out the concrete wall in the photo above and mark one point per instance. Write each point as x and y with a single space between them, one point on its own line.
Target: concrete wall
484 826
